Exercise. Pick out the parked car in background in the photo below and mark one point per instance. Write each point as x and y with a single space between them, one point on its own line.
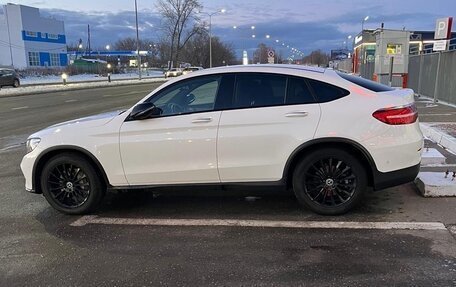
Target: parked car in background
191 69
9 77
325 135
174 72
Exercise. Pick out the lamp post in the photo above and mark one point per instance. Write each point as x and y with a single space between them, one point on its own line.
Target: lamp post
107 49
210 31
362 23
138 57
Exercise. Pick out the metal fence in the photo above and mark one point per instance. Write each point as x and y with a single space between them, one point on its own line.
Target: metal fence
432 78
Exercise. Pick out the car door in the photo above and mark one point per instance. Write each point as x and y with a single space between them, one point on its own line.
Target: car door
270 116
179 146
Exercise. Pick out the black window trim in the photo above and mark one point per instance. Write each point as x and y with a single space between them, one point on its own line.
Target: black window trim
318 101
217 96
180 82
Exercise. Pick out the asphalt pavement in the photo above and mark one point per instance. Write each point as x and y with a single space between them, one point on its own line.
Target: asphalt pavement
41 247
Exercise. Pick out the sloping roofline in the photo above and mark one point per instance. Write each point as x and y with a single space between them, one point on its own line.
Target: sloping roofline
274 66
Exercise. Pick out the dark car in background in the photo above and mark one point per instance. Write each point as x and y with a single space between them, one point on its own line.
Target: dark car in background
9 77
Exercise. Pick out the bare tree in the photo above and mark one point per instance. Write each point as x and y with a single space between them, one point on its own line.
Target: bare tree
318 58
261 53
196 52
178 15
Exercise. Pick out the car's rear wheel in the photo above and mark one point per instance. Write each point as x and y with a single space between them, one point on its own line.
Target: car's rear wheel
71 184
16 83
329 181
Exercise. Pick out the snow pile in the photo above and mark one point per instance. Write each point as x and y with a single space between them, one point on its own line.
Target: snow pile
51 79
40 89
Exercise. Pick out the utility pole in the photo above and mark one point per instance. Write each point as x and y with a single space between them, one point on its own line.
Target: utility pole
210 40
138 57
88 40
9 36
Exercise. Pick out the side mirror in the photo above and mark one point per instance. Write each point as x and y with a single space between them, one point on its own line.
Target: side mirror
145 111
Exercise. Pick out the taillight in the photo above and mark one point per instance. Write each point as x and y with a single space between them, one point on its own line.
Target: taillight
398 115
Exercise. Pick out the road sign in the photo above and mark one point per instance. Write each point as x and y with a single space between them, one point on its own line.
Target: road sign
440 45
271 54
443 28
270 60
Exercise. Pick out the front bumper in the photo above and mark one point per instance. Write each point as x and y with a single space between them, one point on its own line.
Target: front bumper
27 165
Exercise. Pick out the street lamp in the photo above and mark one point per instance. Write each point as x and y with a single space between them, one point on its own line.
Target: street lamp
268 36
362 23
222 11
138 56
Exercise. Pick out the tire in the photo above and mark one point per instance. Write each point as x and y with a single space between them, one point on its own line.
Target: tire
325 190
71 184
16 83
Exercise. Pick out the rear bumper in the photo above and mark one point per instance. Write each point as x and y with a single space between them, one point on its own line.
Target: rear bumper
384 180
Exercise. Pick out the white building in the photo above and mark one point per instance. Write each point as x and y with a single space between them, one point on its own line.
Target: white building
29 40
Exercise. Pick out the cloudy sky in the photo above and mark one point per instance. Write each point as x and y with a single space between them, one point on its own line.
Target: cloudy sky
304 24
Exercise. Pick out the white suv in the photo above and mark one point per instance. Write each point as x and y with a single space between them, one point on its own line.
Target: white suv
326 135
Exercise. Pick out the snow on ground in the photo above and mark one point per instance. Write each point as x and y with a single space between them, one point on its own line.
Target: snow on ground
34 80
37 89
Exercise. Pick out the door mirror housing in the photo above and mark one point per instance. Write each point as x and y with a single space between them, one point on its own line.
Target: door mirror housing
145 111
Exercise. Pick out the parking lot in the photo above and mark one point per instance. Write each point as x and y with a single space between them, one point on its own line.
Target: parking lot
207 237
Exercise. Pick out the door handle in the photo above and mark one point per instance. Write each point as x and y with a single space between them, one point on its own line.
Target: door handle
202 120
297 114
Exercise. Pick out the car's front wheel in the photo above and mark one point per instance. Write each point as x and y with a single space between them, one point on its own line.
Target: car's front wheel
71 184
329 181
16 83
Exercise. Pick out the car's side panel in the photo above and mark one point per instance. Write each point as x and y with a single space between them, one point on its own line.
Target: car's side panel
254 144
175 149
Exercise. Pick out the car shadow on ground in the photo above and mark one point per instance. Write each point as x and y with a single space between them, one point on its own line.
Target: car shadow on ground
242 205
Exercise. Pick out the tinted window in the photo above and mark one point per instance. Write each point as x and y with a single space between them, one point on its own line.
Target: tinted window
298 92
259 90
189 96
326 92
367 84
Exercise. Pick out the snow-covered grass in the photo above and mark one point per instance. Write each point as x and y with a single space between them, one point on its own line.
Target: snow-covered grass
39 89
50 79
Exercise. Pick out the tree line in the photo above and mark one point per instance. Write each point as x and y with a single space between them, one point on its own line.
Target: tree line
184 39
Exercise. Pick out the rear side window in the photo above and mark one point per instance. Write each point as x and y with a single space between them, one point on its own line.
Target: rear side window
367 84
326 92
298 92
259 90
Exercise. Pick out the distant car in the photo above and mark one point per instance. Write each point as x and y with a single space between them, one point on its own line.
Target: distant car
323 134
191 69
174 72
9 77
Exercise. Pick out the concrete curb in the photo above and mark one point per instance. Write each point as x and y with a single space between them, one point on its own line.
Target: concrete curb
78 86
431 185
439 137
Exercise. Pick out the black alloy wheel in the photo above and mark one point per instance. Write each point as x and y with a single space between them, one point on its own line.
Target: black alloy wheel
71 184
68 185
329 181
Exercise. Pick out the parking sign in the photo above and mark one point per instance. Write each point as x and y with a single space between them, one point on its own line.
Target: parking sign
443 28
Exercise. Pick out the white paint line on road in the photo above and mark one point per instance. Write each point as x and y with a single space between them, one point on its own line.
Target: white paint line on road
93 219
11 147
20 108
107 95
70 101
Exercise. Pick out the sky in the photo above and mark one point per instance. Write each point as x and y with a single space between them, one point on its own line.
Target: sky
304 24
